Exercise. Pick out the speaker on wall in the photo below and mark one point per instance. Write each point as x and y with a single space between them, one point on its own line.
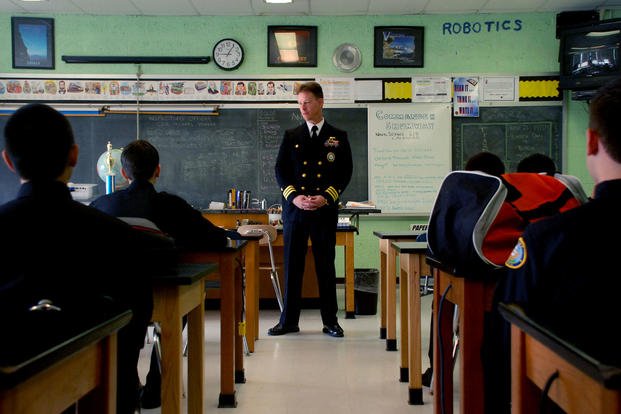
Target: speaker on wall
569 19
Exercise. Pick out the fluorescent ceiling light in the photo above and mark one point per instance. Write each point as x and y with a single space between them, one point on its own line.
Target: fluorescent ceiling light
33 1
188 109
278 1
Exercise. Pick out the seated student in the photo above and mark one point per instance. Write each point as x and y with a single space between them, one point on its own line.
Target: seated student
174 216
52 246
537 163
525 198
563 271
488 163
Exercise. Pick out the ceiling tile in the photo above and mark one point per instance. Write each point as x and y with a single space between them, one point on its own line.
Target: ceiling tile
496 6
164 7
106 7
299 7
396 6
454 6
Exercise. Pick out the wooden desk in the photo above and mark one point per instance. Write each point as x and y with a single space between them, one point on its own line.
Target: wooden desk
345 238
411 262
175 295
258 283
388 283
474 298
42 373
584 385
230 218
229 262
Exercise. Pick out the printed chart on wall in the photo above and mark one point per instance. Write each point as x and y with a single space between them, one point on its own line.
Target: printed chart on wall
409 155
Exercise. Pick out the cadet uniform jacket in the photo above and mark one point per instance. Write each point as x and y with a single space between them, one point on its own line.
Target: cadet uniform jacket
564 271
313 167
173 215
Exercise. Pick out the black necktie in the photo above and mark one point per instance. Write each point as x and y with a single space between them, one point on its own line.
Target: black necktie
314 132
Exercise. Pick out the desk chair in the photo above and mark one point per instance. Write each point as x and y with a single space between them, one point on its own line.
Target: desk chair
269 235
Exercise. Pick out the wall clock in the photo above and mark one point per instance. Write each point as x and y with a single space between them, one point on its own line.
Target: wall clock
228 54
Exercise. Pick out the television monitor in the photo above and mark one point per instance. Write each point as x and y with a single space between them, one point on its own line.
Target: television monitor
590 56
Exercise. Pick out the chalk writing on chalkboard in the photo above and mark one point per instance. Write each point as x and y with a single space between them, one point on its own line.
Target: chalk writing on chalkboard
512 133
204 156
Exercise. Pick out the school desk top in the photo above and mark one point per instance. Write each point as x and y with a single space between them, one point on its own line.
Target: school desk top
34 340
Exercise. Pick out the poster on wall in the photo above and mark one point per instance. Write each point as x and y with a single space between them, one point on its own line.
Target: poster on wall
431 89
409 155
466 100
147 90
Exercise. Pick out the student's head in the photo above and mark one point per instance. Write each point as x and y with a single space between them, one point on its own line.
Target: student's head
270 86
604 121
140 160
486 162
537 163
39 144
310 101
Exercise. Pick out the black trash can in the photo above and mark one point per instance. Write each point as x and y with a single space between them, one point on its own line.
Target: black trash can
366 283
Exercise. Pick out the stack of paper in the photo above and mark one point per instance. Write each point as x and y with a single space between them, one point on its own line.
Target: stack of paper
359 204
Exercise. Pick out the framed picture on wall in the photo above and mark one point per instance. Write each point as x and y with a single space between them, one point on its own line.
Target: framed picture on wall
401 46
33 42
292 46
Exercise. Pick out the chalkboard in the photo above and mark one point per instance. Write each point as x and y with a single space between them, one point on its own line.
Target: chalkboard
204 156
512 133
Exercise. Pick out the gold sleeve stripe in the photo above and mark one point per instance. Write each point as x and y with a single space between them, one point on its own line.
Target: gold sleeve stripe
333 193
288 191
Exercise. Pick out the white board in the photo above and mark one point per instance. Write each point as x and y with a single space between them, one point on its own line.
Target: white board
409 155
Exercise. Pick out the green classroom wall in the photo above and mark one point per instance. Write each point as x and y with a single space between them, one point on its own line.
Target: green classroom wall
527 45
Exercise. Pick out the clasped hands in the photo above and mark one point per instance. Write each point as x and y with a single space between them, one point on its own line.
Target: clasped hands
309 202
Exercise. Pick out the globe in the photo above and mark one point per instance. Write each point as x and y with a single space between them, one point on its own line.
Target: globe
109 162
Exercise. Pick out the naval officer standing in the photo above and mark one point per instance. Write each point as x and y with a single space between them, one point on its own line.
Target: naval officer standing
313 167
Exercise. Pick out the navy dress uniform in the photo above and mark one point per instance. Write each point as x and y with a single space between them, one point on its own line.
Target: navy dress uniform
306 165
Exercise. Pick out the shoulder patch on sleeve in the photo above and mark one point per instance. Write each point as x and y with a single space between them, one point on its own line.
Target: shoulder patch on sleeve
517 258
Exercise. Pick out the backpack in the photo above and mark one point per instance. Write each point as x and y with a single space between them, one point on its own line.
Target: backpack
477 218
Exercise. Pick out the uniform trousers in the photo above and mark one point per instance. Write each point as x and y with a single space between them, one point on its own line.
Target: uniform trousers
320 227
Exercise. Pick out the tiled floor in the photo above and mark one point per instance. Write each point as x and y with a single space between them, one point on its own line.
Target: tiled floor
310 372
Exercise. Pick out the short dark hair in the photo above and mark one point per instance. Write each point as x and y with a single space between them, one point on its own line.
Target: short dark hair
486 162
140 159
604 110
312 87
38 139
537 163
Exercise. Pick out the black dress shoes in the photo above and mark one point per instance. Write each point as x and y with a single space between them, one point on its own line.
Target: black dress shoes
333 330
282 330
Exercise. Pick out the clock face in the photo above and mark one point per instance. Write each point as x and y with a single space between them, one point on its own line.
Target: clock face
228 54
